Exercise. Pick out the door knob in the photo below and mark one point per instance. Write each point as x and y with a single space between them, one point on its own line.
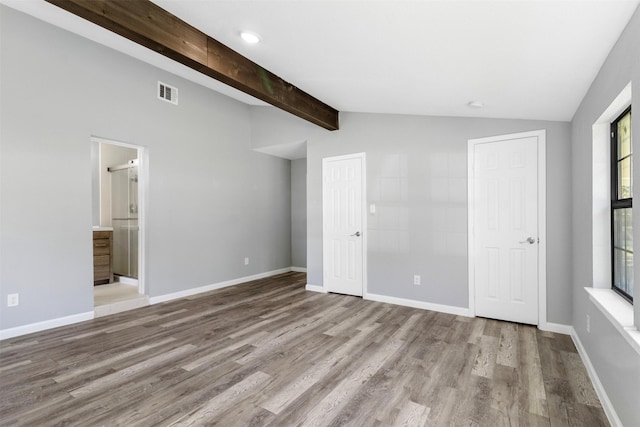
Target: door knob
356 234
530 240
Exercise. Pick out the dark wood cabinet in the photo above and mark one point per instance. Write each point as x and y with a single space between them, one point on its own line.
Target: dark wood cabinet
102 257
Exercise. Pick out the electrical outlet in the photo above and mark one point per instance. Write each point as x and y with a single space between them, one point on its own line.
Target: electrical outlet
416 279
588 324
13 300
246 261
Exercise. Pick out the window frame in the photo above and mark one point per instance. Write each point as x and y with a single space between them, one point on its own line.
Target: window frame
617 203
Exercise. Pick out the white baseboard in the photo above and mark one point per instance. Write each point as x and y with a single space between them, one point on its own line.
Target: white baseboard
315 288
213 287
47 324
127 281
299 269
558 328
597 385
459 311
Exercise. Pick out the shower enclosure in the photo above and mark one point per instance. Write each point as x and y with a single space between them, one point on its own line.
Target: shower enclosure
124 218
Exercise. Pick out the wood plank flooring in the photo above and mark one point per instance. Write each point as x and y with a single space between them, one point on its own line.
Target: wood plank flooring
269 353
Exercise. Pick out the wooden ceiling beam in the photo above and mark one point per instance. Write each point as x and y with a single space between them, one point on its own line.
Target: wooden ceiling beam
147 24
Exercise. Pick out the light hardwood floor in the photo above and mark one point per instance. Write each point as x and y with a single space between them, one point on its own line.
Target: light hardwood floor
270 353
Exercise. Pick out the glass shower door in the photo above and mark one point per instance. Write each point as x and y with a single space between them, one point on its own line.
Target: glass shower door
124 217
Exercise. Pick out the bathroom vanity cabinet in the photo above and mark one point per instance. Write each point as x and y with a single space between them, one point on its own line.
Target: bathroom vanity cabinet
102 257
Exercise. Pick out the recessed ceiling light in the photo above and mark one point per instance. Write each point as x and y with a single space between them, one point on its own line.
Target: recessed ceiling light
250 37
475 104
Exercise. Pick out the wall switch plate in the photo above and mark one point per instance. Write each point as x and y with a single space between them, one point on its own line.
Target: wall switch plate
372 209
246 261
416 279
13 300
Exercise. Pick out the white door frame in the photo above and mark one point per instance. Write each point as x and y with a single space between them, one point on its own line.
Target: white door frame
364 216
542 224
143 191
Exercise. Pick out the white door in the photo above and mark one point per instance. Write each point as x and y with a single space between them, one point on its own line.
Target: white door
505 229
342 213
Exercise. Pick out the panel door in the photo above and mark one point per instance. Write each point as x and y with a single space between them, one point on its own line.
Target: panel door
342 225
505 227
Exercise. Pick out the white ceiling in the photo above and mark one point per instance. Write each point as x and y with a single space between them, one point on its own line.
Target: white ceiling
533 59
522 59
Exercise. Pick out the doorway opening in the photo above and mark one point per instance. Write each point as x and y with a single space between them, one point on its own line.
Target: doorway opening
118 231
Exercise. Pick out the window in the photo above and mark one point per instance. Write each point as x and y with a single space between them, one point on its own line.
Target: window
621 201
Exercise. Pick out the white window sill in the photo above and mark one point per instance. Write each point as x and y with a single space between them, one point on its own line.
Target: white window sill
618 311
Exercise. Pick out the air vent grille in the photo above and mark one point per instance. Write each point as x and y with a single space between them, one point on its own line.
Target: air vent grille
167 93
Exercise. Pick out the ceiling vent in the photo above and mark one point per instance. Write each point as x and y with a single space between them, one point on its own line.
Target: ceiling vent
167 93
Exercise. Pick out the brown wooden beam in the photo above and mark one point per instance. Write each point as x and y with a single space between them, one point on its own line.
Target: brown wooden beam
149 25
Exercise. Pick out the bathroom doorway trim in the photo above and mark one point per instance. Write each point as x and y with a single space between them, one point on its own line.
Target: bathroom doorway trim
143 191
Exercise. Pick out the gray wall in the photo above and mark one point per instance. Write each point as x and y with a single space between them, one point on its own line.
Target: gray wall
417 177
299 213
272 126
617 364
212 201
